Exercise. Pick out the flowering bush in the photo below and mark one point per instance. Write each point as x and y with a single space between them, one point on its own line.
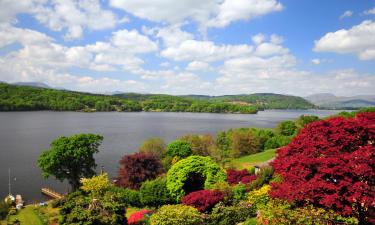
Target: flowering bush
237 176
280 212
259 197
330 164
138 217
203 200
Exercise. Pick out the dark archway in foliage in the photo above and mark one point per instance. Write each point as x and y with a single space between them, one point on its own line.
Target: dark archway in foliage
331 164
194 182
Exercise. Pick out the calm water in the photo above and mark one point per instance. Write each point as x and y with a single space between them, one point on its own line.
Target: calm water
23 135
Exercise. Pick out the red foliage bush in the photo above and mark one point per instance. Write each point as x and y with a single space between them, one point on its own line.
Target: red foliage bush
203 200
137 168
237 176
331 164
137 217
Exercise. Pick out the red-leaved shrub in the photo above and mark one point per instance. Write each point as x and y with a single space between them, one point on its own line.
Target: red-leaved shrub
203 200
331 164
137 217
237 176
137 168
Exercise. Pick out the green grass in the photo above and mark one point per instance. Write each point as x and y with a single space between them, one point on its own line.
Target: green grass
27 216
250 160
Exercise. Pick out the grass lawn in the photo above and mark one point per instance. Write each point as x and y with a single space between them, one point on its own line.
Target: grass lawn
27 216
249 160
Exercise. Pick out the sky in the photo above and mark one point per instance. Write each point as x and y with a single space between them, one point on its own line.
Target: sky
212 47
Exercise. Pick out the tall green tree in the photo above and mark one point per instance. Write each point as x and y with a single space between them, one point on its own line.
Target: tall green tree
71 158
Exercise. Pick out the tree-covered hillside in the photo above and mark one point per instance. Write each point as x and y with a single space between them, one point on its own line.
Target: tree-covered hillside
23 98
259 100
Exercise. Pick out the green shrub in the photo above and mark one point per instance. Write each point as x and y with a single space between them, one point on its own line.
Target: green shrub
192 174
286 128
176 215
200 144
179 148
239 192
264 176
4 209
226 189
263 135
129 196
303 120
154 193
277 141
154 146
259 198
277 212
244 142
230 215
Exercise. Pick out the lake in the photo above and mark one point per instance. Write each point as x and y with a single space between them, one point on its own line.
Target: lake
24 135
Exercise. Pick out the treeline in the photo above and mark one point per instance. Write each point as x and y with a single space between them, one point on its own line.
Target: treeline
260 101
24 98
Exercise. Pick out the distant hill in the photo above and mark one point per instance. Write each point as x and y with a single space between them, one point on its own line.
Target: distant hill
27 98
326 100
259 100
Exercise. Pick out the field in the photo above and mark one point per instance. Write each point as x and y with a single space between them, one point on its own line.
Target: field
249 160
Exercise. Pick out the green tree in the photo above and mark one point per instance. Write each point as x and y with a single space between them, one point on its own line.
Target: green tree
286 128
155 146
70 158
179 148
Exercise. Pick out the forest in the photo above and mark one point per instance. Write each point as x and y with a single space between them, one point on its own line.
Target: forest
26 98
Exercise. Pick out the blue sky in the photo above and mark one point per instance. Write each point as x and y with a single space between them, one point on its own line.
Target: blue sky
191 47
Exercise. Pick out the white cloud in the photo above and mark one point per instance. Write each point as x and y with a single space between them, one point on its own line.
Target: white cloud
209 13
316 61
72 15
346 14
258 39
206 51
358 40
370 11
233 10
198 66
133 42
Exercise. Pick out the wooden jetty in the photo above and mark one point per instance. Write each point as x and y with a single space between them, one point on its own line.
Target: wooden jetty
52 194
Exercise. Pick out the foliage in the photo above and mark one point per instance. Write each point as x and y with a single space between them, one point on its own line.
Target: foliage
263 135
4 209
96 185
239 192
137 168
138 218
264 176
169 103
243 142
154 146
286 128
179 148
154 193
303 120
176 214
203 200
279 212
192 174
259 198
71 158
239 176
129 196
21 98
330 164
79 208
230 215
277 141
223 142
227 191
200 144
